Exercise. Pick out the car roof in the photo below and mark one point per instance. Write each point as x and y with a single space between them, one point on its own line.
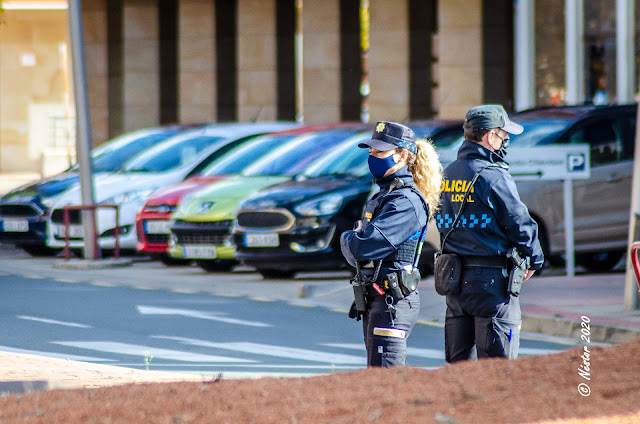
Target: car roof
569 112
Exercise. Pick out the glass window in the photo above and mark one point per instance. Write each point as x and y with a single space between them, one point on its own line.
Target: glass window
296 156
549 53
537 132
238 159
600 51
165 157
604 137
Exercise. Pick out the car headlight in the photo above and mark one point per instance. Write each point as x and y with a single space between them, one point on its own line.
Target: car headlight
130 196
325 205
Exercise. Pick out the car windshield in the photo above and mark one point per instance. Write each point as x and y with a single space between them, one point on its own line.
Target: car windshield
347 159
238 159
110 156
180 152
296 156
538 131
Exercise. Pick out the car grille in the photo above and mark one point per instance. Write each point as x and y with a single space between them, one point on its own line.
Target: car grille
265 220
201 232
20 210
57 216
157 238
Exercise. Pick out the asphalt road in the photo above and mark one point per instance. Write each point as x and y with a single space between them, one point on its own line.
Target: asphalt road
183 319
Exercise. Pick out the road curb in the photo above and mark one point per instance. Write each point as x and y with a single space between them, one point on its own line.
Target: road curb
93 264
574 329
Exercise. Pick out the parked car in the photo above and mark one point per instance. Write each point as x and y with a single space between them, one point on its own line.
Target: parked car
201 225
24 210
295 225
158 167
152 223
602 202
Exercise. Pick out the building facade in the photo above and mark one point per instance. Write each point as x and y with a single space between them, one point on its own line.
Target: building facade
154 62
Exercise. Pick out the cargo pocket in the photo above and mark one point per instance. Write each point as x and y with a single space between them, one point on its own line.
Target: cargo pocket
505 339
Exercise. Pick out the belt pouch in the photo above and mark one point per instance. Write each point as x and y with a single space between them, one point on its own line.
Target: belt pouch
409 281
392 286
447 273
360 294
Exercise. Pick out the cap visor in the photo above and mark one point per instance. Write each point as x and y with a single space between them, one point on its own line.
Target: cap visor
513 128
378 145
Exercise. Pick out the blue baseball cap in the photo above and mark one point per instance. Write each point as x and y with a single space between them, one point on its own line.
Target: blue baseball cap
389 135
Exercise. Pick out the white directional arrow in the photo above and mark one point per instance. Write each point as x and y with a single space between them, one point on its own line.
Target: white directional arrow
213 316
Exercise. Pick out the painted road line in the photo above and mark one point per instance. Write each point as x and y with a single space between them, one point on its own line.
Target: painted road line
184 291
431 323
55 355
34 276
190 313
534 351
306 305
274 350
411 351
102 284
144 351
53 321
66 280
262 299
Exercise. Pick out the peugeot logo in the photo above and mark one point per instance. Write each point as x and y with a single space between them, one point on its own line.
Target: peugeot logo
205 206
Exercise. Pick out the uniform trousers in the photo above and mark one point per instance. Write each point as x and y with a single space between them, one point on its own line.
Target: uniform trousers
483 315
389 348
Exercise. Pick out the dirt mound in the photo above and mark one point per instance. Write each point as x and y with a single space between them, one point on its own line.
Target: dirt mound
585 385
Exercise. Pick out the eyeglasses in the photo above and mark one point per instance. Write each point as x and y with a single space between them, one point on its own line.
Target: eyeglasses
504 140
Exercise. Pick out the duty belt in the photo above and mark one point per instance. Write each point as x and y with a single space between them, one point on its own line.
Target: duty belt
485 261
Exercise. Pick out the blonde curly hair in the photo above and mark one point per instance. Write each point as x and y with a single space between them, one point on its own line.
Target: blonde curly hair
427 172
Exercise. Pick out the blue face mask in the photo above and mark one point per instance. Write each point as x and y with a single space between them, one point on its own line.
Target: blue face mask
378 166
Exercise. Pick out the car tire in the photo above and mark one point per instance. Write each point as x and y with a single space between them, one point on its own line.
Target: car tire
216 265
599 262
39 251
270 274
169 261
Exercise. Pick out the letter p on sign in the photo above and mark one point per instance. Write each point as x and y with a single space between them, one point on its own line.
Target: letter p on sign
575 162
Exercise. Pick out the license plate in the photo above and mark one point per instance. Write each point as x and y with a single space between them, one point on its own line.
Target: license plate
261 240
199 252
75 231
15 225
157 226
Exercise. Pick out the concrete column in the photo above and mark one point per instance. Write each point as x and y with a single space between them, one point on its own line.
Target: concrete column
196 61
574 48
141 79
321 61
459 70
389 60
94 22
524 55
257 60
625 61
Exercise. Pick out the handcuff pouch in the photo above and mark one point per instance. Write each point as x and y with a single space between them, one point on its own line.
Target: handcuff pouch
409 280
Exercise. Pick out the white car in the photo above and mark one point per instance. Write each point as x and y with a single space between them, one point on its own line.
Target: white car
161 166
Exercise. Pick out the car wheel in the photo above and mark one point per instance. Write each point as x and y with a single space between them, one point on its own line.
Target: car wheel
276 273
598 262
215 265
40 250
169 261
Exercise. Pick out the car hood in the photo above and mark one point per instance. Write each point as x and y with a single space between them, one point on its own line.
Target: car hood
108 186
173 194
289 193
220 201
44 188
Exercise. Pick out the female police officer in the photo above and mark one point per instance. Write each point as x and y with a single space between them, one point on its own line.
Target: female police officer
383 246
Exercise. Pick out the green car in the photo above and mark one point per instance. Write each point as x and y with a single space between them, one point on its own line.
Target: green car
201 226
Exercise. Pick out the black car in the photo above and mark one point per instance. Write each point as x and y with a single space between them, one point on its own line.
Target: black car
296 225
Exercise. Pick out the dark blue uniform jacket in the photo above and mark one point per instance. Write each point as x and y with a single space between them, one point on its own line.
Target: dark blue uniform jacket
494 219
389 220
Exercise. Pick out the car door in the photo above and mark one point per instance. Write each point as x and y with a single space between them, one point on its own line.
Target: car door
601 203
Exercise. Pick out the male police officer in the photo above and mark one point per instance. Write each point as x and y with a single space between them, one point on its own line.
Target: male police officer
493 221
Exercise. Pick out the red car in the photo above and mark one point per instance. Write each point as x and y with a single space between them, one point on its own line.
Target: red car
153 221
